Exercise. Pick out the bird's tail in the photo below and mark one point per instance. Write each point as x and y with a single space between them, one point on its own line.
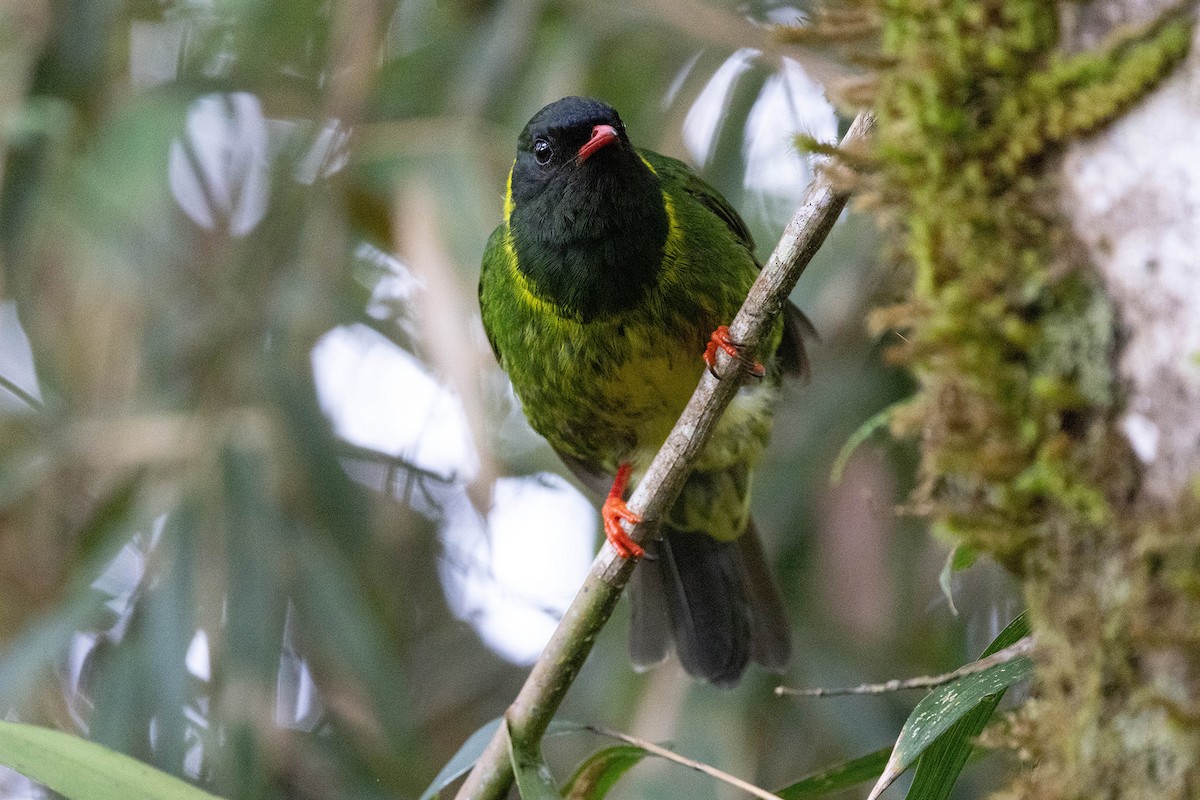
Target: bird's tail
714 600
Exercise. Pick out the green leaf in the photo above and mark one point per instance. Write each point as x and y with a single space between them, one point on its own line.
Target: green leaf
534 781
960 557
838 777
939 766
462 761
1014 632
939 710
597 774
83 770
864 432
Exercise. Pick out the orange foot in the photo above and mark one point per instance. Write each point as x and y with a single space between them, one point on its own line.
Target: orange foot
720 338
615 510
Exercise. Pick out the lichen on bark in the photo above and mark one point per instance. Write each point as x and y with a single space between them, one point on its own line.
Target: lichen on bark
1015 338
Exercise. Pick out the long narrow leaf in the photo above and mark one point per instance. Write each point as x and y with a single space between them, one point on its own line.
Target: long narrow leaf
864 432
30 653
83 770
596 775
960 558
939 766
838 777
946 705
462 761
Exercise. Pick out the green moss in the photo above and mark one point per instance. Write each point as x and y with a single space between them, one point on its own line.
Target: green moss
1012 346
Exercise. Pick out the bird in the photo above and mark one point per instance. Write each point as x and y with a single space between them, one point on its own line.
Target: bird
605 292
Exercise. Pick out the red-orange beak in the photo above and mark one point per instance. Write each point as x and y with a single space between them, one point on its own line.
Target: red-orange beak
602 135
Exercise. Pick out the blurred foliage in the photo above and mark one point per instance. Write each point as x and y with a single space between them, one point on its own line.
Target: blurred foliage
72 767
168 476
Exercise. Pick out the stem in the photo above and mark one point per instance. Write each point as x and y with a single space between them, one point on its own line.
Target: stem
21 394
555 670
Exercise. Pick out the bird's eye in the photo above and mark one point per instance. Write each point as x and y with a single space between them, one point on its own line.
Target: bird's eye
542 151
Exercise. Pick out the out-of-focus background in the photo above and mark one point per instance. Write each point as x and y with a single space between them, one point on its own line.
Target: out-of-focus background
270 515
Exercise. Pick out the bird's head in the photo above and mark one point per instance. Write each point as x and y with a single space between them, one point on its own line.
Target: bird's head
575 167
586 212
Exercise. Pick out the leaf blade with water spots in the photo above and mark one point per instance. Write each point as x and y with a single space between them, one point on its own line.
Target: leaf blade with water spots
944 706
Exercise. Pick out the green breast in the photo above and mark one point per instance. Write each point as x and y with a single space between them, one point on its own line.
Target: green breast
607 388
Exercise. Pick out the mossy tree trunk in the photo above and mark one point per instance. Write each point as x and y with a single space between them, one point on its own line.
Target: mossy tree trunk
1118 709
1042 165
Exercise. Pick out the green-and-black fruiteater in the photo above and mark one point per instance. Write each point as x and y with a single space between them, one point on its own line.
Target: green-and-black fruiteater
614 271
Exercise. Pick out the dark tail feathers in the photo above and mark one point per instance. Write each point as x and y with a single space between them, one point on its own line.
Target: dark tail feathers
716 601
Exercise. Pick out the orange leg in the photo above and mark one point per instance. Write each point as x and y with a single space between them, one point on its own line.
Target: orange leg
614 511
720 338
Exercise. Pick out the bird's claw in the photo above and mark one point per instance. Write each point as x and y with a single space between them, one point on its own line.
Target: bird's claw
613 511
721 339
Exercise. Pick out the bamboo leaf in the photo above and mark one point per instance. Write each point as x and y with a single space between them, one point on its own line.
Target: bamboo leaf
838 777
83 770
864 432
939 766
939 710
464 759
597 774
960 557
30 653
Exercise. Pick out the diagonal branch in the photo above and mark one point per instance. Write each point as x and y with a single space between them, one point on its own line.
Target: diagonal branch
560 662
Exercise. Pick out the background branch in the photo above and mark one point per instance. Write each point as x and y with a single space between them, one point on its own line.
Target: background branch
560 662
684 761
1022 648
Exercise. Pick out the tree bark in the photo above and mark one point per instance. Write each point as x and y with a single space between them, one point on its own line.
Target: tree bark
1117 706
1041 163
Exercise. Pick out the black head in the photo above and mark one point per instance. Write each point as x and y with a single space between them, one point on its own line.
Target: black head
561 139
588 217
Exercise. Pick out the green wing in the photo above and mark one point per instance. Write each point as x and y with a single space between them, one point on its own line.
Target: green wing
675 171
792 357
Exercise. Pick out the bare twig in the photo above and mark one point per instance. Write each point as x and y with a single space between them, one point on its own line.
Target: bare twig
1020 648
21 394
560 662
699 766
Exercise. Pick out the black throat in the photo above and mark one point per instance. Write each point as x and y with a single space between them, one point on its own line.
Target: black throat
590 237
